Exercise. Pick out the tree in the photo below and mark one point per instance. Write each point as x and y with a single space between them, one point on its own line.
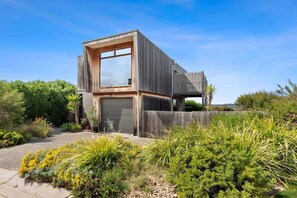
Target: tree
210 91
73 105
11 106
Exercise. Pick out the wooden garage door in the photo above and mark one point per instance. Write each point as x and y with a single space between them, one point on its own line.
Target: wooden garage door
117 115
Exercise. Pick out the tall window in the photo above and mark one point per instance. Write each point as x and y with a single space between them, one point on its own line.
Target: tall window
115 68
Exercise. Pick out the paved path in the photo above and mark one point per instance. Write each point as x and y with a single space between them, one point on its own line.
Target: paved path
12 186
11 157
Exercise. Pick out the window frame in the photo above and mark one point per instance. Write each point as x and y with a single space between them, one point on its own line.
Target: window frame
114 56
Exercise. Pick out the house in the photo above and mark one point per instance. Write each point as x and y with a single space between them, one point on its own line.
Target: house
125 74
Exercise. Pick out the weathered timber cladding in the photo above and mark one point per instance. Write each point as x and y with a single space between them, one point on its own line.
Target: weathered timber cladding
80 73
156 103
87 72
157 123
87 102
188 84
154 68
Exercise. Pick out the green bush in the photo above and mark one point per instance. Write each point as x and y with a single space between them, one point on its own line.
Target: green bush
284 109
11 106
192 105
237 155
71 127
45 99
10 138
256 101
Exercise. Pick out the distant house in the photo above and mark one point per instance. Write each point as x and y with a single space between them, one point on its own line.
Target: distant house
125 74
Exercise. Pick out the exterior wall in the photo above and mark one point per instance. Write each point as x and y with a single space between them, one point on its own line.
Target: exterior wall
189 84
156 103
80 73
87 102
154 68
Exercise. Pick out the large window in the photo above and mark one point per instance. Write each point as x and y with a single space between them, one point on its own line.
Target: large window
115 68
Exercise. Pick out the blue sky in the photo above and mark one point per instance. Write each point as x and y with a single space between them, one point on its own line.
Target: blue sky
243 46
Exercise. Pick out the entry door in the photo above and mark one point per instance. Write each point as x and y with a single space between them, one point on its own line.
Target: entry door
117 115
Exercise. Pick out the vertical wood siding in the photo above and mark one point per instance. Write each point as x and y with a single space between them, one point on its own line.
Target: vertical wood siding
80 73
157 123
154 68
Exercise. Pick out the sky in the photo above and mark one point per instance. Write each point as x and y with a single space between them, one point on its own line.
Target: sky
242 46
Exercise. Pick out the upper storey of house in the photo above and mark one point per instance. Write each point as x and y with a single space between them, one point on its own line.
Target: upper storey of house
129 62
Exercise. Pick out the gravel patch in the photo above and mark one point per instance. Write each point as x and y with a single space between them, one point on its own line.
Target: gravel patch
10 158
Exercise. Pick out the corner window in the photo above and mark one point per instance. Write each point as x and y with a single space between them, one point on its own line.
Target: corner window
115 68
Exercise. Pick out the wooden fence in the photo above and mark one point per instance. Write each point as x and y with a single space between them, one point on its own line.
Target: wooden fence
155 123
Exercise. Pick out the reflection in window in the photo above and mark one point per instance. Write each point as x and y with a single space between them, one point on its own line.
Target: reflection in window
123 51
116 69
107 54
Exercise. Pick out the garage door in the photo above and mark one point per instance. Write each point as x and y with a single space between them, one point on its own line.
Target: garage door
117 115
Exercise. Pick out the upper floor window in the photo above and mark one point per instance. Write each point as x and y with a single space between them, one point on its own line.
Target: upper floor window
115 67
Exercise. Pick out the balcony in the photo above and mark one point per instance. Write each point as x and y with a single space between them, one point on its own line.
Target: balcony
191 84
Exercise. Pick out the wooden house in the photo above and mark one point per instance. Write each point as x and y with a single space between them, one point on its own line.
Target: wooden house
125 74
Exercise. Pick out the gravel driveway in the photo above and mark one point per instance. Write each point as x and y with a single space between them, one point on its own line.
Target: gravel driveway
11 157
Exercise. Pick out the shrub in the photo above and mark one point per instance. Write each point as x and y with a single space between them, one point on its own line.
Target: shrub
192 105
71 127
220 165
45 99
88 169
10 138
256 101
11 106
41 128
218 108
284 109
237 155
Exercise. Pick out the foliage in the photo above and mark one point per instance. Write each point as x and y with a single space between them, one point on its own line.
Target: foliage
210 91
290 192
71 127
237 155
41 128
193 105
218 108
88 169
256 101
73 105
10 138
84 122
284 109
45 99
11 106
93 117
288 90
